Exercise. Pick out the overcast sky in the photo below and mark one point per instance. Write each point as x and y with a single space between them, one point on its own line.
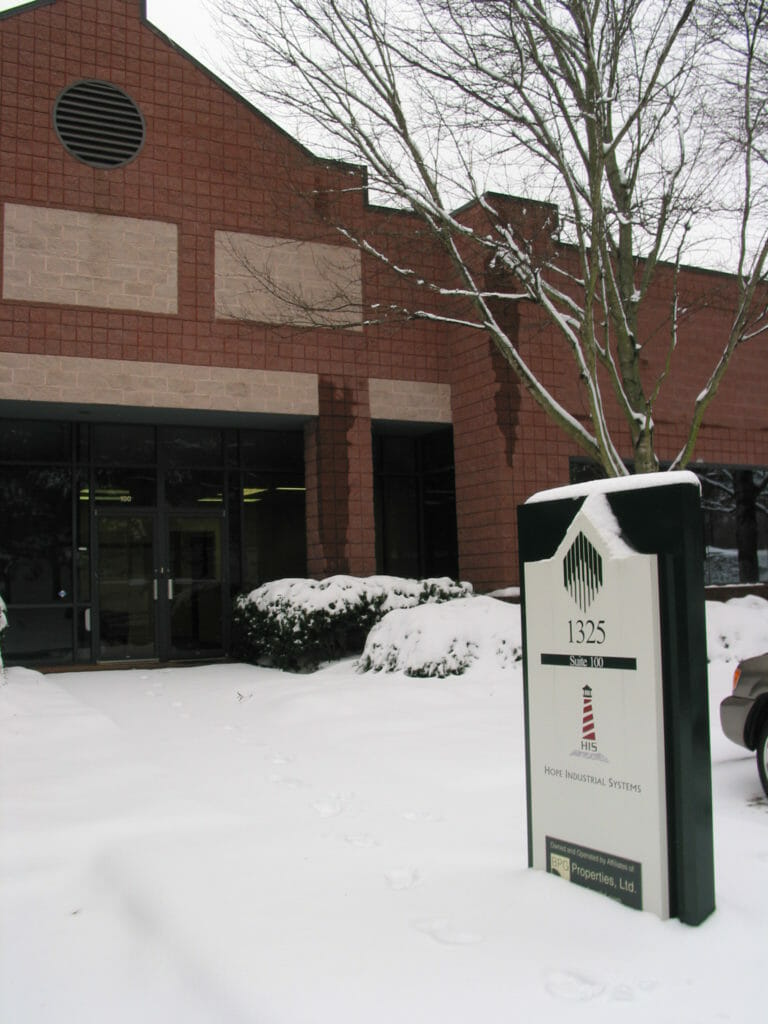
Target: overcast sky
189 23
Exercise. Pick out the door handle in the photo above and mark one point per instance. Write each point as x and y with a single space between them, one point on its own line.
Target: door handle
170 589
154 589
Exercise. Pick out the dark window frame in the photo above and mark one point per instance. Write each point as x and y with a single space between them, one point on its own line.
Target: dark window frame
737 561
417 470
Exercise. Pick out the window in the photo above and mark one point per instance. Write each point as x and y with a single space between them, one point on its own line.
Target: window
274 531
734 500
36 548
735 504
273 501
36 551
415 502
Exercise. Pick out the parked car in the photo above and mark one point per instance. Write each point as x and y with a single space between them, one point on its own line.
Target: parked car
744 715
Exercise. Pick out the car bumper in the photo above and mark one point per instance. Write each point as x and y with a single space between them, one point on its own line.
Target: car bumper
733 717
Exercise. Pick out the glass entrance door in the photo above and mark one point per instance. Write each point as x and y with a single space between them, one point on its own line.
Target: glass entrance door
159 601
126 587
194 585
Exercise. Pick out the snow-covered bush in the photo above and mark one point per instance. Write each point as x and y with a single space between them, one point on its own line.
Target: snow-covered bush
444 640
737 628
296 624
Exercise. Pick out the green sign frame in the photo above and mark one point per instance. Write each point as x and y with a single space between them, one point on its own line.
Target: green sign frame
657 515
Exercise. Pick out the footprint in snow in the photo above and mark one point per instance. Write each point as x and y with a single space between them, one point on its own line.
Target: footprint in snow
443 931
623 994
421 817
402 878
287 780
331 806
576 988
279 758
363 841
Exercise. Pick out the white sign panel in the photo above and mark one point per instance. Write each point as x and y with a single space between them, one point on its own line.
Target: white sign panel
595 714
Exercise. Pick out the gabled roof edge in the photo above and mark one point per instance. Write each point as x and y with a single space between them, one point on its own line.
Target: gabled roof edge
361 169
30 6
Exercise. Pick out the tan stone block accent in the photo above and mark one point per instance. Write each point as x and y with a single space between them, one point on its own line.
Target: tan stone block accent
90 259
156 385
417 401
281 281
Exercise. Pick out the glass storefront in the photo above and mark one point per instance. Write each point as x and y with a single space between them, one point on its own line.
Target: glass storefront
128 541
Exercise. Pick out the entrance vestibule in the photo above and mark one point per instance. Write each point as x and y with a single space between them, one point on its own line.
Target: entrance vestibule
126 541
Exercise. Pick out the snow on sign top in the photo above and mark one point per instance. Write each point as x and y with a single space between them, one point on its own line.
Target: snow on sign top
598 513
638 482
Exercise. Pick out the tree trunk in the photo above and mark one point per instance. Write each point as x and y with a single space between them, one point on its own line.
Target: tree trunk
645 457
745 495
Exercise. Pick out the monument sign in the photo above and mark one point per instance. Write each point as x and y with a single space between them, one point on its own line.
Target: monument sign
610 605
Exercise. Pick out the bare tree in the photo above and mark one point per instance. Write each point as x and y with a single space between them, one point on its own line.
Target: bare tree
631 122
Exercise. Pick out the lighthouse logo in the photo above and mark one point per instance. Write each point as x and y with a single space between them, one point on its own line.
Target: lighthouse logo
588 743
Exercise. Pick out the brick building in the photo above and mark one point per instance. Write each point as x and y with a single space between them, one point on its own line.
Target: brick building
190 402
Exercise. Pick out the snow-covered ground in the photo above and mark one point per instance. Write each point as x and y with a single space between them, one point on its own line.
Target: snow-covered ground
236 845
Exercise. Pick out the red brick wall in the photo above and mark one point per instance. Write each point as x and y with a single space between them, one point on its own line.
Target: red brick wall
340 481
211 162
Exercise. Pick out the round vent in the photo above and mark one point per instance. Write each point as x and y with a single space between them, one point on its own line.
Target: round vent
99 124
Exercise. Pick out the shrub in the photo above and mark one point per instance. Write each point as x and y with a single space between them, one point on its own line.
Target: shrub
445 641
296 624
